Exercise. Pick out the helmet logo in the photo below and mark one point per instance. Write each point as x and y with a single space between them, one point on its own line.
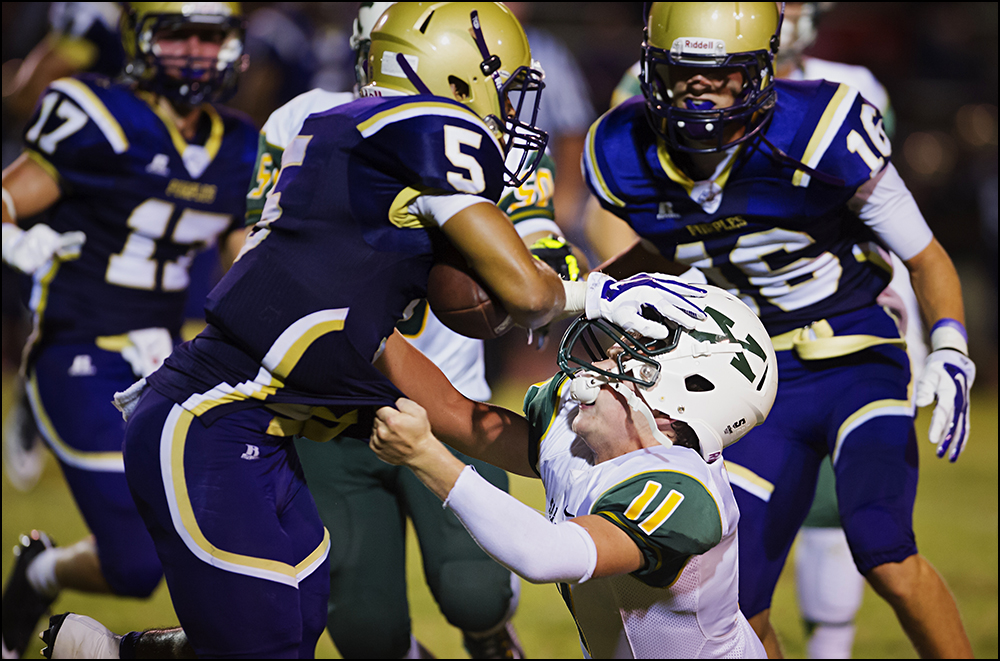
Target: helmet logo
739 361
697 46
735 426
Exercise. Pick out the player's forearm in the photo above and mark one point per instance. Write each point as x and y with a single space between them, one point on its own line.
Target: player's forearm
437 468
936 285
483 431
29 189
519 537
640 257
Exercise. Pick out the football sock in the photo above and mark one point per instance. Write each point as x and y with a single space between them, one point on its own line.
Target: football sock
831 641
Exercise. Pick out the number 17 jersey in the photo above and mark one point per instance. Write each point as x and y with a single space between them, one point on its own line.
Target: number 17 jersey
145 198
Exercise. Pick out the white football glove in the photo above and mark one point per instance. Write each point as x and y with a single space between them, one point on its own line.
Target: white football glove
622 302
28 250
948 376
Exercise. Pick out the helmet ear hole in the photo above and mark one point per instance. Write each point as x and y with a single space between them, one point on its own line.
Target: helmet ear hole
698 383
461 87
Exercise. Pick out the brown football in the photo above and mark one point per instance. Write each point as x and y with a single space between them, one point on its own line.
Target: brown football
461 301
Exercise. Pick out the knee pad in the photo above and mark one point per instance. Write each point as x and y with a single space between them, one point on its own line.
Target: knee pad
370 630
828 585
475 595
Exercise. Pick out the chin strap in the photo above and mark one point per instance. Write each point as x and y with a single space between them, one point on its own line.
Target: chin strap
784 158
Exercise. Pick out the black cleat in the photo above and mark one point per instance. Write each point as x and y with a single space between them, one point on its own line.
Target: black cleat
500 645
49 635
22 606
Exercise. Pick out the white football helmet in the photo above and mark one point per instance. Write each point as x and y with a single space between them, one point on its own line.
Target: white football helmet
361 37
720 378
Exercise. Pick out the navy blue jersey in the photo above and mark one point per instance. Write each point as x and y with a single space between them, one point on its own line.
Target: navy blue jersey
146 200
781 239
337 256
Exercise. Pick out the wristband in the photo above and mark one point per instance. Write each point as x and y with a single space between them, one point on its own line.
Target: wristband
11 234
8 202
949 333
576 296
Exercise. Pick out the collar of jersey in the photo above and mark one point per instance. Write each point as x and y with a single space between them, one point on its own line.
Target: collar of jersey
720 177
214 141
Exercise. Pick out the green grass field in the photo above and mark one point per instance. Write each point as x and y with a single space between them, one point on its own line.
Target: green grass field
955 522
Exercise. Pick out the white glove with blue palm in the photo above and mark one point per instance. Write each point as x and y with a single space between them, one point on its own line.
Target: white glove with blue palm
623 301
28 250
947 378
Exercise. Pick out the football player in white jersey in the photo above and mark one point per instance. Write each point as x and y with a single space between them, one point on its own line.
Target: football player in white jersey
641 531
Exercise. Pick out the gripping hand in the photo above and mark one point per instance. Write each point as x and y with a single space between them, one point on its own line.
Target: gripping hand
28 250
623 302
947 377
555 252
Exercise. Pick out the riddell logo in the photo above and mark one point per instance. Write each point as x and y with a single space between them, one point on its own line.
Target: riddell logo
698 44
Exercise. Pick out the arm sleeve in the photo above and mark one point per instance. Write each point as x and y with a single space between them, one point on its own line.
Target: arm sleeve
520 538
892 213
440 208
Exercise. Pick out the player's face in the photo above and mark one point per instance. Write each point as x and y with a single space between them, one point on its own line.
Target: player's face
609 422
188 47
603 421
721 86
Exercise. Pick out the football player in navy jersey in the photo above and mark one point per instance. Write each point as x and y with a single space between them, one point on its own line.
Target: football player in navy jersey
297 327
136 178
780 191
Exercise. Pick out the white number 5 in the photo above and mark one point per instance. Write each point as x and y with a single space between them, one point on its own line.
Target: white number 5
454 138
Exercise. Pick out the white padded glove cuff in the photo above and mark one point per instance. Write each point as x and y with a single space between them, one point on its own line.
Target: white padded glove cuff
519 537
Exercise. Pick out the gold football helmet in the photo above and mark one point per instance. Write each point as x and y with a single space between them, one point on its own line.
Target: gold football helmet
741 36
200 79
476 52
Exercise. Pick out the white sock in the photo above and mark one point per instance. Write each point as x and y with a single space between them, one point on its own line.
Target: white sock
42 572
828 585
831 642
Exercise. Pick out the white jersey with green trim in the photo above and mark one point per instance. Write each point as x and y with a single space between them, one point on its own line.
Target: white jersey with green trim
682 515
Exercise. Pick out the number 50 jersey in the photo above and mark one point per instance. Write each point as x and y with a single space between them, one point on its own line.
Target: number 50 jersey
339 253
145 198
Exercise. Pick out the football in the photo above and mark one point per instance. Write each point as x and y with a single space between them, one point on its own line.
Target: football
461 301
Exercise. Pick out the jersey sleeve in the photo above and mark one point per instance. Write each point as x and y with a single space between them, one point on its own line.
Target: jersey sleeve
848 140
72 133
541 406
606 152
669 515
265 172
531 204
279 130
434 146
